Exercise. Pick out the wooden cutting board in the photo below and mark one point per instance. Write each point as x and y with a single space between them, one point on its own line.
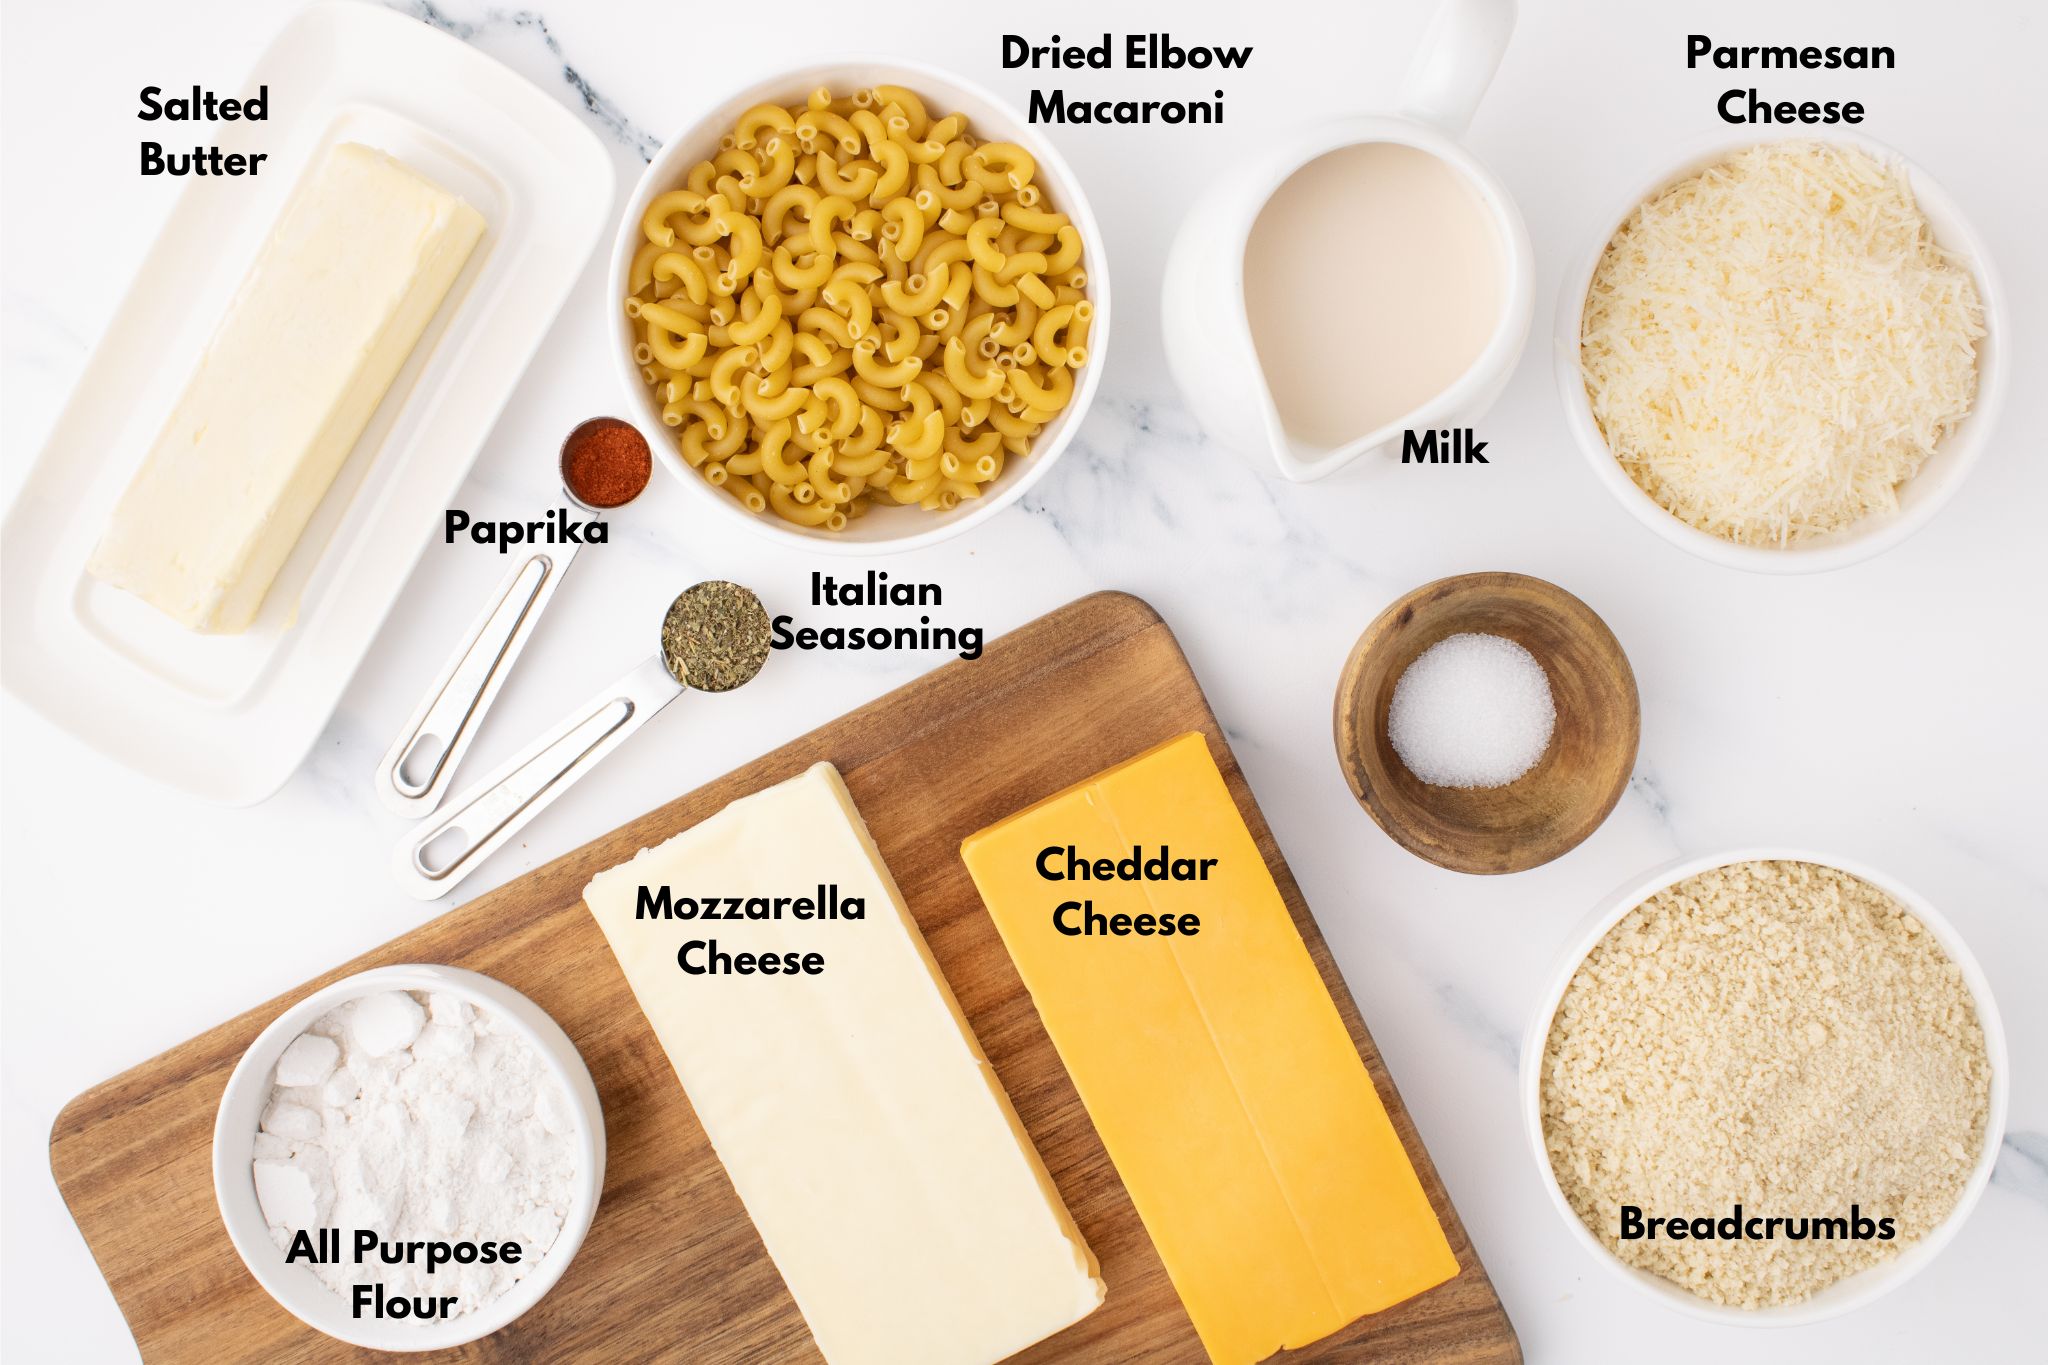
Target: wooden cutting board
672 1268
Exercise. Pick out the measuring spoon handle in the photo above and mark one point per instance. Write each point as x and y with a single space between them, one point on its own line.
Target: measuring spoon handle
436 856
421 762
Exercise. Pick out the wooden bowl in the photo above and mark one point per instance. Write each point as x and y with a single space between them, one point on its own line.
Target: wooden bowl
1550 809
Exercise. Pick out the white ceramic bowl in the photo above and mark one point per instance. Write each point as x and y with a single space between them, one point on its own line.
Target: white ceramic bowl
884 530
1919 499
295 1286
1844 1295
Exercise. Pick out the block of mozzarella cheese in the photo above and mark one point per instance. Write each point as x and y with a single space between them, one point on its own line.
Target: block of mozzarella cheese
872 1145
1212 1060
355 268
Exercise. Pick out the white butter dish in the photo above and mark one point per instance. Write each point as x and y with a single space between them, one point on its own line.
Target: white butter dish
228 717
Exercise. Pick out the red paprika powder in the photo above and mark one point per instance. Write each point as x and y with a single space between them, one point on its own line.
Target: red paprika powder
606 462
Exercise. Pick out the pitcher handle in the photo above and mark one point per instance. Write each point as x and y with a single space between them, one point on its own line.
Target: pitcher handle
1460 52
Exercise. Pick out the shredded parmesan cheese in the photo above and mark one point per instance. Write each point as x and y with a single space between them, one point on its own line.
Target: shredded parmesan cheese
1775 345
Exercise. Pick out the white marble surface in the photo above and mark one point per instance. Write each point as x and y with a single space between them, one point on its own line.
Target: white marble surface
1891 712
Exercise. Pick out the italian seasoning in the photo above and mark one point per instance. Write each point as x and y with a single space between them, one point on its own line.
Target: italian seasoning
715 637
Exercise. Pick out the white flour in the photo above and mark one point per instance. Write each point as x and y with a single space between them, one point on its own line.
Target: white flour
419 1117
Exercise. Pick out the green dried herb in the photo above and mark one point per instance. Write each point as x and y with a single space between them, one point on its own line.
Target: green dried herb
715 637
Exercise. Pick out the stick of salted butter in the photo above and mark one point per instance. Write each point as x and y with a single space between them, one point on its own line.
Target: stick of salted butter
1222 1080
355 268
870 1141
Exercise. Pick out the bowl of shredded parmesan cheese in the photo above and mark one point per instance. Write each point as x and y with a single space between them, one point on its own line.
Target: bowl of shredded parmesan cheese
1784 356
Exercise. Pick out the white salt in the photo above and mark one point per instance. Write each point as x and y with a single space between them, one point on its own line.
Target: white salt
1472 711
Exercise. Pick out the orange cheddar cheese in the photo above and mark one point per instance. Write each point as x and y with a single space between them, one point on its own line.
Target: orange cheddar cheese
1209 1054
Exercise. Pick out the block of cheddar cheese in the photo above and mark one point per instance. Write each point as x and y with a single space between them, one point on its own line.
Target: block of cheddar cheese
1210 1056
824 1053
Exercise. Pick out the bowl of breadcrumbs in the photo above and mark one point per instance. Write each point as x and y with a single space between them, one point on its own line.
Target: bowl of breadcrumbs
1767 1086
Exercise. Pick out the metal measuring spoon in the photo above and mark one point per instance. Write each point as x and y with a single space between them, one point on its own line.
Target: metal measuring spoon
714 637
421 762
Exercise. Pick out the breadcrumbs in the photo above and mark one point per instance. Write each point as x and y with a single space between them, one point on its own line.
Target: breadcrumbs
1777 1035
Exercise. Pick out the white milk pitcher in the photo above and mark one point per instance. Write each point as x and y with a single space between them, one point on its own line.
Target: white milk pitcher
1209 327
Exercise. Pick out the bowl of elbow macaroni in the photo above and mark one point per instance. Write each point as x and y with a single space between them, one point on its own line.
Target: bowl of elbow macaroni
861 306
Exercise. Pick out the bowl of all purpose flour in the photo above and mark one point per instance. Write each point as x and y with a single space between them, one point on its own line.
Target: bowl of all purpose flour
408 1159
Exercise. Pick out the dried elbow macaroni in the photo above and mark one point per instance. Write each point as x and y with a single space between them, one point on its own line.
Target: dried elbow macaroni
855 303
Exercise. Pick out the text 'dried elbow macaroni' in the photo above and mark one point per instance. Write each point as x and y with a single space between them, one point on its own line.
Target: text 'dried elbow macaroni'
856 303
